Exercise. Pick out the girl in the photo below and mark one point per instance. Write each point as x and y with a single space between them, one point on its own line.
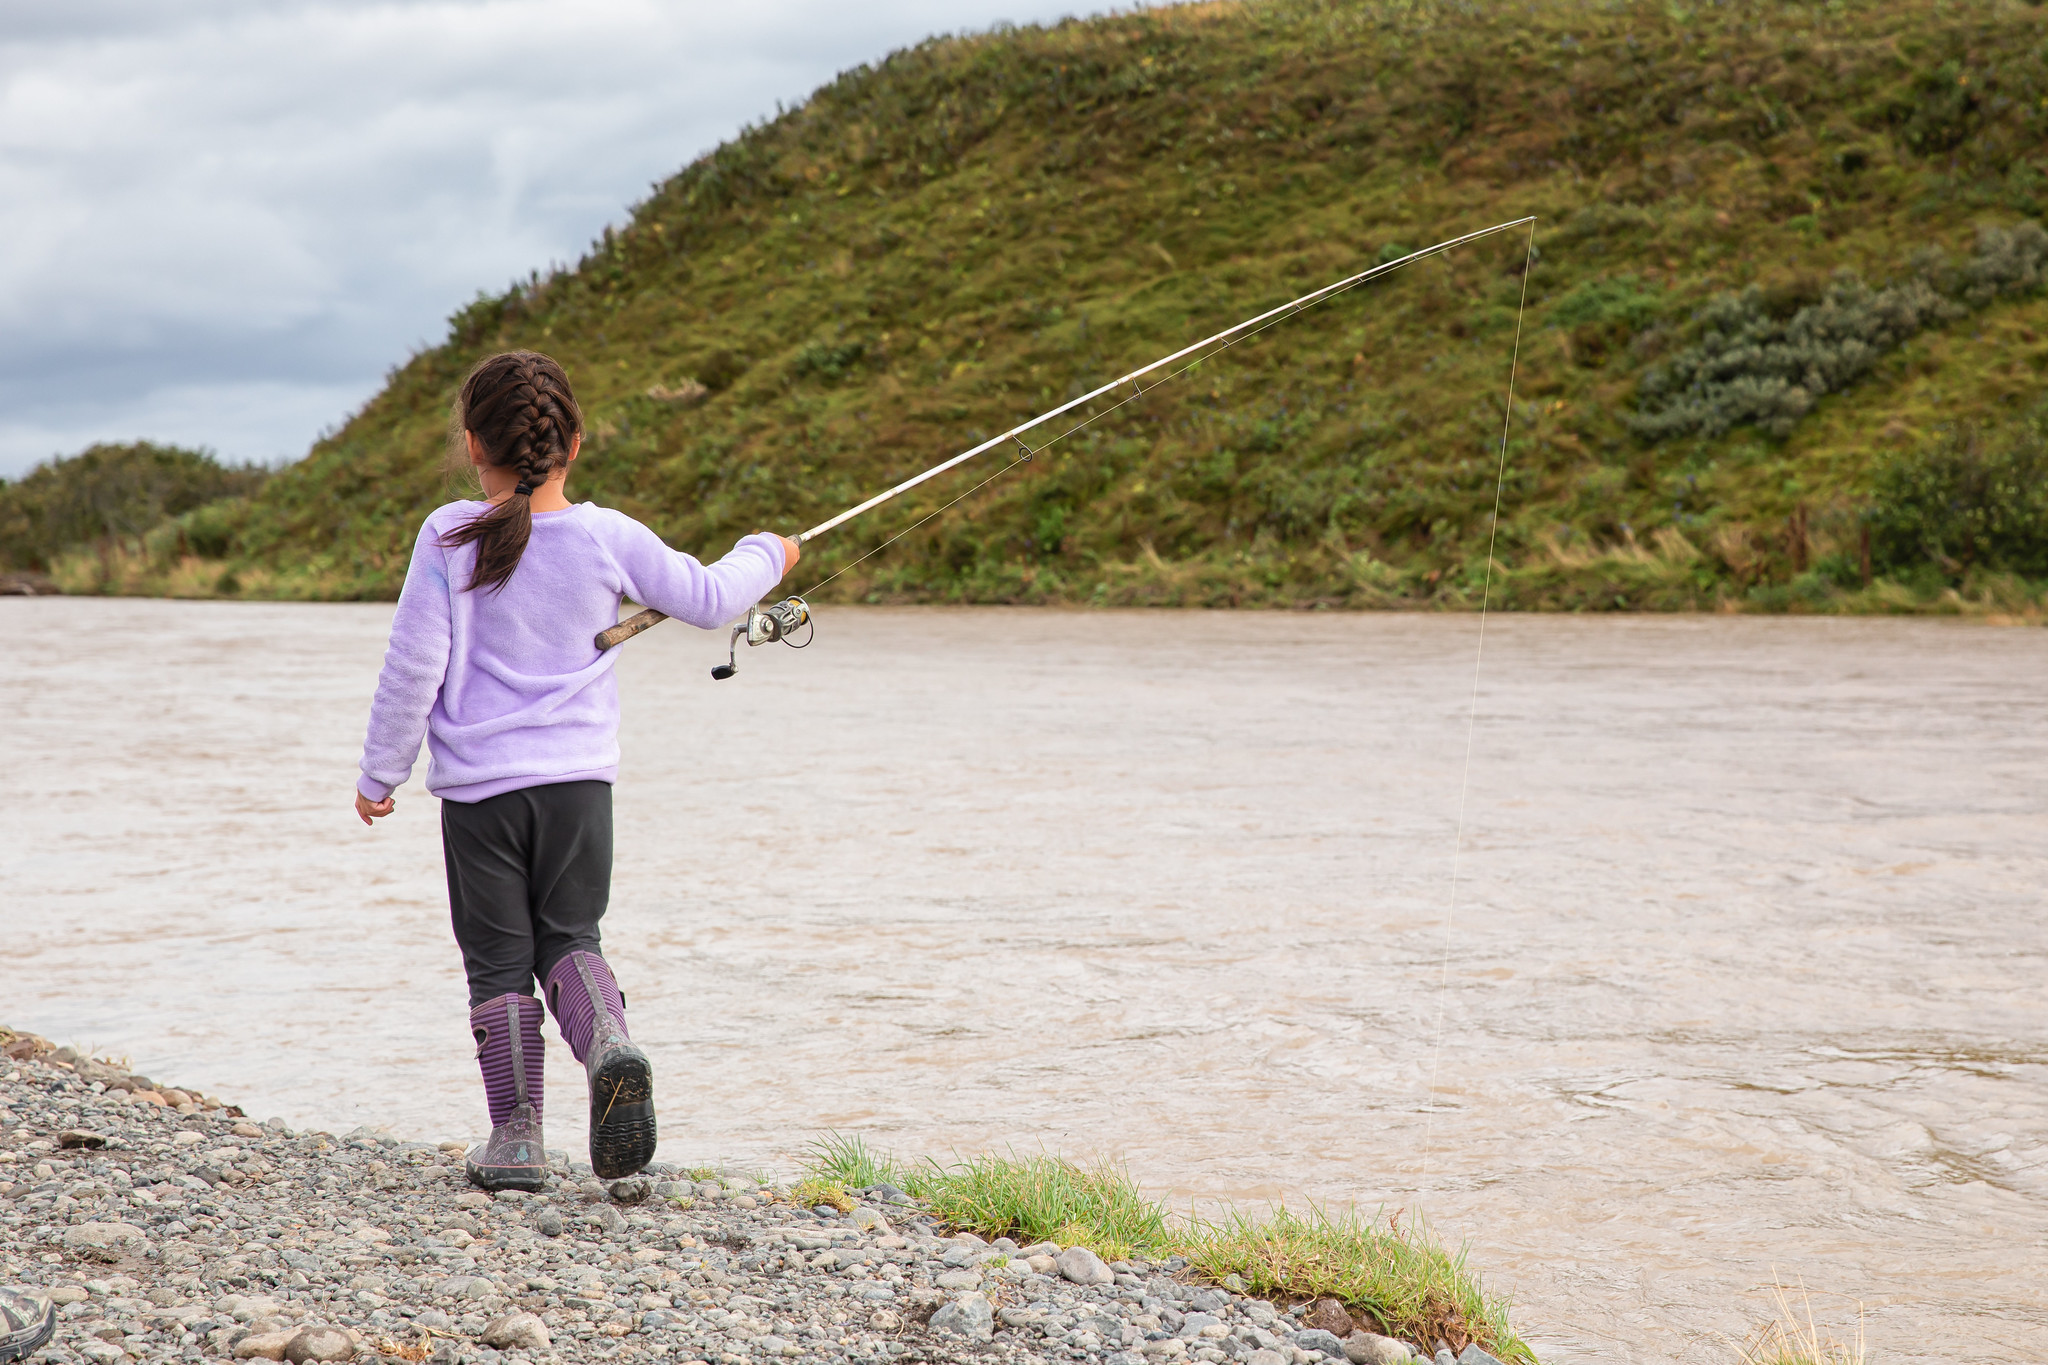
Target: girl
491 659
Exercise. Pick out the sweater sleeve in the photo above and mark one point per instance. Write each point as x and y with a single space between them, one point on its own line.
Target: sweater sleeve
678 585
414 666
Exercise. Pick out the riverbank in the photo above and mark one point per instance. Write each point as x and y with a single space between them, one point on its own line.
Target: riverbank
169 1227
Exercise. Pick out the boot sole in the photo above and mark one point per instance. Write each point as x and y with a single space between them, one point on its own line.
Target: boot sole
622 1114
508 1178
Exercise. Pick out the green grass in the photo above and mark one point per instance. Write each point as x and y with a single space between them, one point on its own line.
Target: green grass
1401 1275
1398 1275
1045 1199
937 245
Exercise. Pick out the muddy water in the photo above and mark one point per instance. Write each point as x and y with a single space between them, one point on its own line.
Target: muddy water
1745 974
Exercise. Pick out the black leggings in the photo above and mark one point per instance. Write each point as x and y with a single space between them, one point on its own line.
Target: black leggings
529 876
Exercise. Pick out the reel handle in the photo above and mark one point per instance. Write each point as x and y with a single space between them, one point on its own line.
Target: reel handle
721 672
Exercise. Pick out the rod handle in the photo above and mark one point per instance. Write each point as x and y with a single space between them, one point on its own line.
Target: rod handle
628 628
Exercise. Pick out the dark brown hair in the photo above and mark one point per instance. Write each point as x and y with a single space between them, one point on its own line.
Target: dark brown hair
519 406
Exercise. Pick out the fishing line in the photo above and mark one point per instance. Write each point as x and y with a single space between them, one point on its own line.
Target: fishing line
1021 459
1141 389
766 624
1472 720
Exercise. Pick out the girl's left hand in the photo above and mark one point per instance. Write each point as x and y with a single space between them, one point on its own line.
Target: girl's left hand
366 808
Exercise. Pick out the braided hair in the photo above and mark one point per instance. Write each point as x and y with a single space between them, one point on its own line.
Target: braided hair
519 407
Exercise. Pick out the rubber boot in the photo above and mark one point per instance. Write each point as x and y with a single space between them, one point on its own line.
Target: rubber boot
509 1052
592 1016
26 1323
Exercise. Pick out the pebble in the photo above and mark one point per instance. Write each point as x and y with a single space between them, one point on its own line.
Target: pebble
200 1236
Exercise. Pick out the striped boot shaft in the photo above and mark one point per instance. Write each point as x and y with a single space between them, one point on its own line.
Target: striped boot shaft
592 1013
509 1053
571 986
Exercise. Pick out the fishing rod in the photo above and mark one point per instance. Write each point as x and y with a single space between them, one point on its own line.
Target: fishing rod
765 625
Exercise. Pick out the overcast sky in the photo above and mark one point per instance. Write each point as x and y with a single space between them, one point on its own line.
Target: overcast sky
221 221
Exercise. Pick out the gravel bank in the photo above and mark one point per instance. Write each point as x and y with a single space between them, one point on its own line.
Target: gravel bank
175 1232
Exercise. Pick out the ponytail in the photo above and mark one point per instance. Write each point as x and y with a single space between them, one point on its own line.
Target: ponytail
519 407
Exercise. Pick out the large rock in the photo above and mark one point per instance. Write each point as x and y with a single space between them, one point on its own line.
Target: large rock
1369 1348
1084 1267
967 1316
248 1307
320 1343
263 1345
1473 1354
516 1332
470 1286
102 1236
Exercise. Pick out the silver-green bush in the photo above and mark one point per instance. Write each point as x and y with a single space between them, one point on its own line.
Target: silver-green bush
1750 366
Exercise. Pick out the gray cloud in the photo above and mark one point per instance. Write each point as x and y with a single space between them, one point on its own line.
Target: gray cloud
224 221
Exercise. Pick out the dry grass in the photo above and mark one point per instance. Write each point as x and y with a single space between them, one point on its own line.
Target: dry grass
1792 1337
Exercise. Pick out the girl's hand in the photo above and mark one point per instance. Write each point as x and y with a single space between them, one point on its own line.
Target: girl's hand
791 553
366 808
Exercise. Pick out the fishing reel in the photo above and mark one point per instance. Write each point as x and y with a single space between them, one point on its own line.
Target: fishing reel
765 625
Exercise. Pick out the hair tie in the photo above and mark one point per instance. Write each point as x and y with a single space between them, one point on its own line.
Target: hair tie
523 490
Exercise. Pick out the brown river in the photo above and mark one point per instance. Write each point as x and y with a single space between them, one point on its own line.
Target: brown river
1743 982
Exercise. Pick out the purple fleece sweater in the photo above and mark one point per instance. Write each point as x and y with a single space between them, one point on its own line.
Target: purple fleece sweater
506 686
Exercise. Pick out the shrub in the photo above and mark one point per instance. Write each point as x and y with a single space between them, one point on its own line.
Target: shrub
1600 314
1620 299
827 361
1753 365
1969 499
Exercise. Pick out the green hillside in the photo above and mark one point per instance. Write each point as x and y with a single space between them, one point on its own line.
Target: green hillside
1782 346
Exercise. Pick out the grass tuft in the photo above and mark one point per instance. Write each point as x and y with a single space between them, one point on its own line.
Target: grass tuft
1390 1274
1050 1199
1400 1275
843 1159
1793 1338
813 1192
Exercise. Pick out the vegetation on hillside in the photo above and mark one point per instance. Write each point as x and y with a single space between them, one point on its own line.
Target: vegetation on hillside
1786 255
107 495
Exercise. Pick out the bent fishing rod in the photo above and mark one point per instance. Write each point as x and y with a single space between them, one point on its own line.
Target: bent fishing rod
764 625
